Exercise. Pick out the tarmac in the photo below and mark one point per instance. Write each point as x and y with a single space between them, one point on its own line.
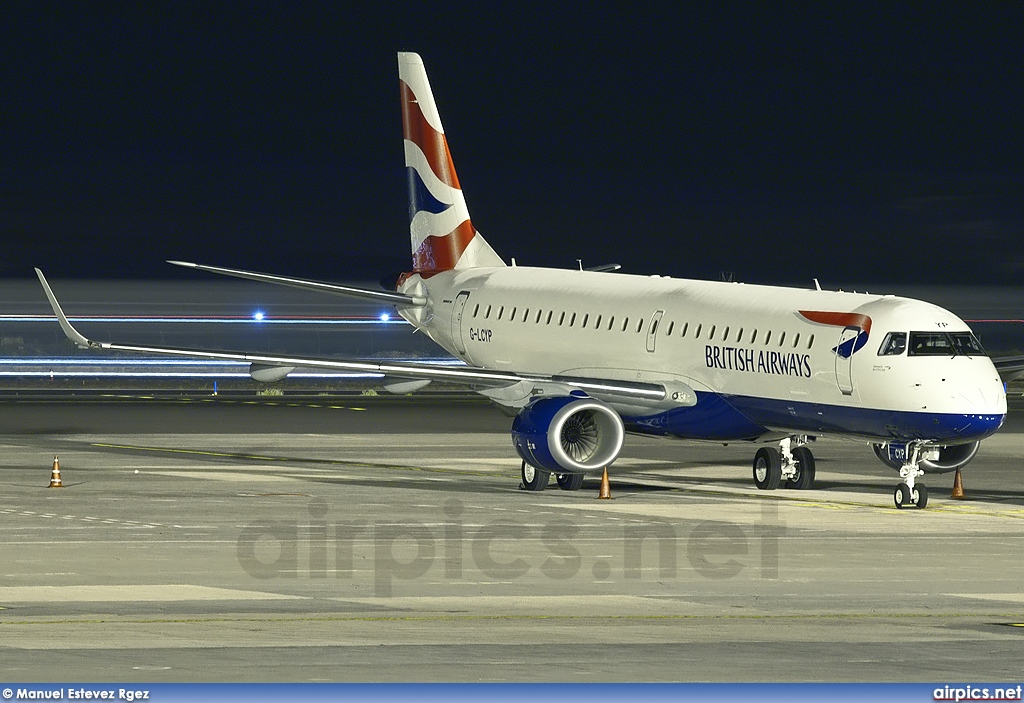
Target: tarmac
352 538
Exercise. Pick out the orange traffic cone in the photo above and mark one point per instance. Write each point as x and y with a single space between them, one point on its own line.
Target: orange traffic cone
958 486
606 490
55 475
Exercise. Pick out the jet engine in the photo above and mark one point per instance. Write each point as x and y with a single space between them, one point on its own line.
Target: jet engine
568 434
934 460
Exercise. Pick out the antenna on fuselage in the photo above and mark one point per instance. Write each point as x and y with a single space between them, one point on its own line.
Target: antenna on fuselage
817 286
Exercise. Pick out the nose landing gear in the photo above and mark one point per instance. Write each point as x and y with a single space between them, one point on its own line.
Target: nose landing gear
909 492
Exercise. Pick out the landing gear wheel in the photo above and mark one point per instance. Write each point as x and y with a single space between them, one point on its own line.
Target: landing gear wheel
919 496
569 482
804 478
901 496
767 468
533 478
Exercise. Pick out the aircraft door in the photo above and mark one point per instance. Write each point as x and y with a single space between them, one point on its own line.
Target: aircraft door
457 310
652 330
844 359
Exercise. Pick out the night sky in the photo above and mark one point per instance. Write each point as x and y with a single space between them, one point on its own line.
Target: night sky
779 143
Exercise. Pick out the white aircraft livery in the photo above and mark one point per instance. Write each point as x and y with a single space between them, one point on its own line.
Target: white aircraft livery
585 356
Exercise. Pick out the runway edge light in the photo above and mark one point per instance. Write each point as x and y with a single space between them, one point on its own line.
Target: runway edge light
55 481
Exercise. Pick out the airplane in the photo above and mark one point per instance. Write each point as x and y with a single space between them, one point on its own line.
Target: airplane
583 357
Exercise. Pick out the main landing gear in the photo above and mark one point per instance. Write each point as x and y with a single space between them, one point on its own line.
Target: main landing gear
535 479
795 464
909 492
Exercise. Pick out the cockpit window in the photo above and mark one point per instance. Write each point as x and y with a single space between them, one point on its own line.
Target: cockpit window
894 344
967 344
930 344
945 344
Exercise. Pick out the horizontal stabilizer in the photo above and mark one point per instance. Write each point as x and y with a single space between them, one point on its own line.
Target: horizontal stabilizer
381 296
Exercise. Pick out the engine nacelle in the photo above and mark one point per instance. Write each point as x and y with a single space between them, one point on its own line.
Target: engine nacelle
934 460
568 434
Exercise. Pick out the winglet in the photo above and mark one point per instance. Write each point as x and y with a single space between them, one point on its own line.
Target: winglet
71 333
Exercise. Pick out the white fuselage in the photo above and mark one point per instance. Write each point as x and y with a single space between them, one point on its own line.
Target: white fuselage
736 341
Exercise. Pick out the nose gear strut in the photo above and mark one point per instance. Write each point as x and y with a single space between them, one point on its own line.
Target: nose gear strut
909 492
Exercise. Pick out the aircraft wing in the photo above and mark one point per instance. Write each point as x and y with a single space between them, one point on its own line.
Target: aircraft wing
640 392
1009 367
382 296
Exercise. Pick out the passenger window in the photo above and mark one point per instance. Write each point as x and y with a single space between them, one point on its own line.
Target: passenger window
487 315
585 319
572 320
796 340
476 309
625 324
654 327
686 326
539 313
810 342
668 332
611 322
782 339
597 323
696 335
561 319
550 313
711 335
894 344
501 311
753 336
526 314
767 337
725 335
640 325
512 315
739 335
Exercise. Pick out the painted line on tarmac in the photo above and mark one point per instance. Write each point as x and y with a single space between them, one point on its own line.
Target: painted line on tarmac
287 459
448 617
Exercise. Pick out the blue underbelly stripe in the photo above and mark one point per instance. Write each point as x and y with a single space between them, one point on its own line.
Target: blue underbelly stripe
735 417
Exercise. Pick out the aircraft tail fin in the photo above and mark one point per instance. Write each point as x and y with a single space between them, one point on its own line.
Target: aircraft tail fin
443 236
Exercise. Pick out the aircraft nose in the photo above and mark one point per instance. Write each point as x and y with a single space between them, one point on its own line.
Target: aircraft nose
984 394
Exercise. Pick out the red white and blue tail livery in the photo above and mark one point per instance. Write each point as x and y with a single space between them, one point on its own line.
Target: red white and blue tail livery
583 357
443 237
